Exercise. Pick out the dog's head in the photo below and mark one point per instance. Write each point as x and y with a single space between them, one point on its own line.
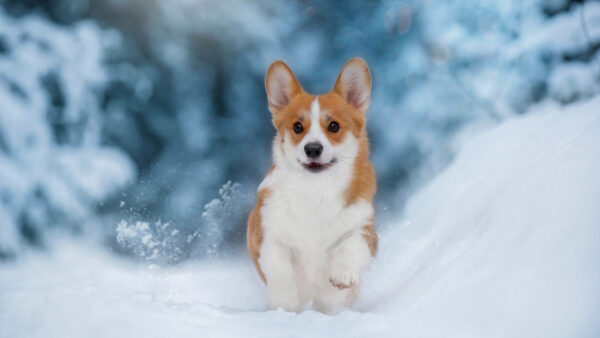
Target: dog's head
318 132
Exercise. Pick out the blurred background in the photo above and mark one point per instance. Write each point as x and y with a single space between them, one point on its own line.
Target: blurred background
142 125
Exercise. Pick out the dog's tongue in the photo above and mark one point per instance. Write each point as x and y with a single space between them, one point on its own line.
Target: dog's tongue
314 165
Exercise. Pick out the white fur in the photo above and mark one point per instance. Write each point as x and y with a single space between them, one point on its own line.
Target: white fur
310 235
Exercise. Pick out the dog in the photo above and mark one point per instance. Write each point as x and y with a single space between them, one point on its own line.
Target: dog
311 231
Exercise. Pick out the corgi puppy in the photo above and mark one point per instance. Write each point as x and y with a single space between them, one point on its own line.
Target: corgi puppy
311 231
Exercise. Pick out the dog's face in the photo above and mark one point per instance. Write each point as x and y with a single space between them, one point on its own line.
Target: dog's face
318 132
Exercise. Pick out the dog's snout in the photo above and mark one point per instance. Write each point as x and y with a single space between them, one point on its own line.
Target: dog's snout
313 149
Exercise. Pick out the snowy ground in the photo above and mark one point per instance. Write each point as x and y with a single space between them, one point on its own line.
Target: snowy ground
501 244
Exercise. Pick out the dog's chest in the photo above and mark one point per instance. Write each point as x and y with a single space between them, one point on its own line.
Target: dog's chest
311 216
302 221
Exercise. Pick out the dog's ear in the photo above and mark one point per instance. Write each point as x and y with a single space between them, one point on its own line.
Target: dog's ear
354 84
281 86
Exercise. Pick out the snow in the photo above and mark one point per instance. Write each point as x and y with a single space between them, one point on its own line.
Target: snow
503 243
571 81
567 33
505 239
157 244
54 166
499 244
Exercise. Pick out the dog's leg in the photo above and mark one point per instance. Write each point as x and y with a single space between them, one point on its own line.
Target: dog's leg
276 262
348 258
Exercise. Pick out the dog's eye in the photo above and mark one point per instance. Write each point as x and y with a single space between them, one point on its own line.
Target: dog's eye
334 127
298 128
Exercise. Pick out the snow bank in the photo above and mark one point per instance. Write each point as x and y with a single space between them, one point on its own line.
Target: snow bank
501 244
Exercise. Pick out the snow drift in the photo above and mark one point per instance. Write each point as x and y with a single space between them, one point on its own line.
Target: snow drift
501 244
504 242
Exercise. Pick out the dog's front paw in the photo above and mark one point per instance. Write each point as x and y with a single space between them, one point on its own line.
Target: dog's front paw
343 279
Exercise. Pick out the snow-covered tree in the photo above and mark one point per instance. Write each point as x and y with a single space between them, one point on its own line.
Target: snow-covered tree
54 167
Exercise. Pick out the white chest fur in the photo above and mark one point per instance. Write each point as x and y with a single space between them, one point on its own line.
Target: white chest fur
310 214
308 210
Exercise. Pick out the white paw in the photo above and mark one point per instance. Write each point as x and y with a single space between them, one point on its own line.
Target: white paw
343 279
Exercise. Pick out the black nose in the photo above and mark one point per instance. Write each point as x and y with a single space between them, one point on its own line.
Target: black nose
313 149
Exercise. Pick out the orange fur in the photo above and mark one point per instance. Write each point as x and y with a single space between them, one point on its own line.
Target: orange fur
296 111
370 237
254 235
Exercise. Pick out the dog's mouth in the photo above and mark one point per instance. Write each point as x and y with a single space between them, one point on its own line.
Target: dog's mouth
316 167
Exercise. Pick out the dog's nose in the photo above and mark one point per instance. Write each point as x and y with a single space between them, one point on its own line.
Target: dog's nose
313 149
